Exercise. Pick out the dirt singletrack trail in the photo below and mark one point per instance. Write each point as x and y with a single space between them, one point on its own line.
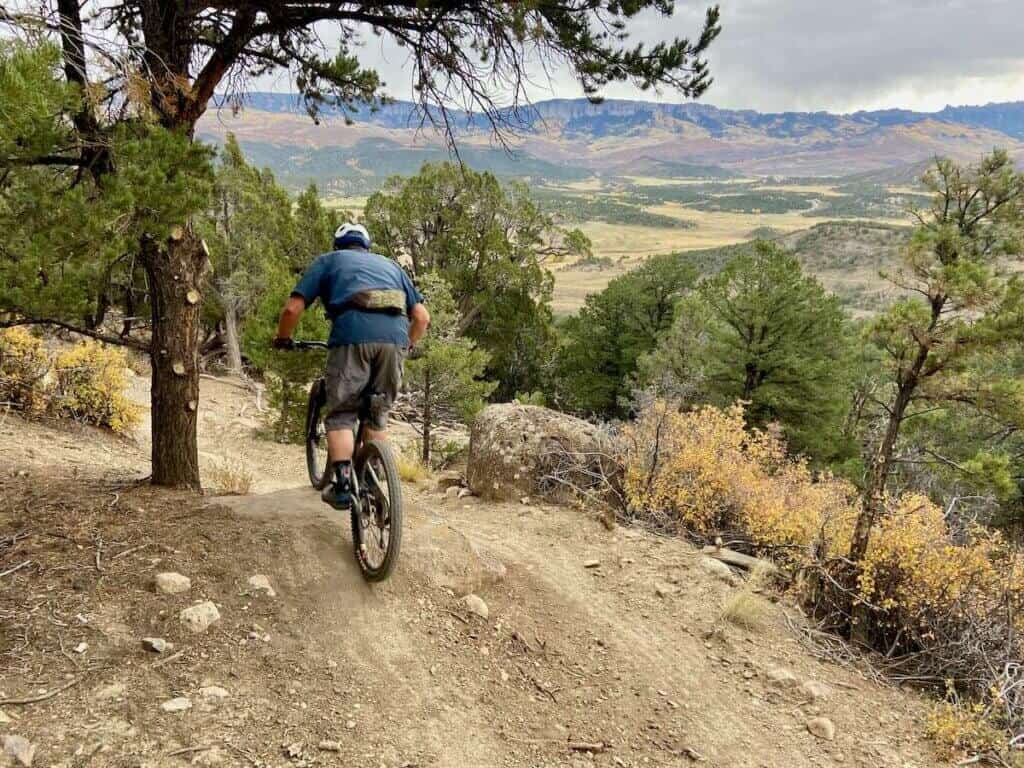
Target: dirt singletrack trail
571 655
600 648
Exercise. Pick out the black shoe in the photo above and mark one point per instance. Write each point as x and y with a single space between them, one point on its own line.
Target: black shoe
338 495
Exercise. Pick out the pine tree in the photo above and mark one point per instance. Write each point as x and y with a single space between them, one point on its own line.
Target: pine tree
247 228
604 342
492 245
445 378
964 312
762 332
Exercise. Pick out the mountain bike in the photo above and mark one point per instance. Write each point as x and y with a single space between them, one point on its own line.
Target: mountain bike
377 491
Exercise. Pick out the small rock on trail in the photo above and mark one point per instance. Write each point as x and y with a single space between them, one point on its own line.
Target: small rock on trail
718 569
112 691
200 616
179 704
18 750
213 692
661 589
781 677
474 604
155 644
261 583
822 727
815 691
171 583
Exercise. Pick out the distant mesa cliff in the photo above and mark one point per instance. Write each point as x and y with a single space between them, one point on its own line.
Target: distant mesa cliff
570 138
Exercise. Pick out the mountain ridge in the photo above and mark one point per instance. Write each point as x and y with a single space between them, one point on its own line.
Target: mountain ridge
1004 117
564 139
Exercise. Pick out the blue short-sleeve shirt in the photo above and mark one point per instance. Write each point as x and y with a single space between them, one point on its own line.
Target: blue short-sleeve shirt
336 277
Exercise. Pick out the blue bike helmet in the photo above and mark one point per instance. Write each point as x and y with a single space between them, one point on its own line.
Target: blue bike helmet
349 235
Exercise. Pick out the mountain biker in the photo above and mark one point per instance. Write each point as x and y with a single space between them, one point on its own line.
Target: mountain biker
377 315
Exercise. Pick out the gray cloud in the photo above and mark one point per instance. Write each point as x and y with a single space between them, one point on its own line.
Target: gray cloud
839 55
836 55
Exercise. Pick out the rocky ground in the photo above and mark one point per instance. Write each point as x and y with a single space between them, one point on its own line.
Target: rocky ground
147 628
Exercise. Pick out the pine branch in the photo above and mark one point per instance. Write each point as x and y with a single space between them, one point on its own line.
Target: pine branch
98 335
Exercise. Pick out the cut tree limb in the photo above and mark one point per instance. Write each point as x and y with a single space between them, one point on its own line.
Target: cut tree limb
738 559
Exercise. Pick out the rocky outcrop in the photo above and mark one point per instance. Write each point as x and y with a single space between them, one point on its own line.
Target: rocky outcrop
515 449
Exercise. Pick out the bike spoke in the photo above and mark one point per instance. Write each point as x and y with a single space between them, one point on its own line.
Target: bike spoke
376 519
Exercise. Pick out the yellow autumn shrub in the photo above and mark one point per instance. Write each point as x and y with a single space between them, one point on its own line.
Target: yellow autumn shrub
961 727
914 568
90 385
704 473
24 365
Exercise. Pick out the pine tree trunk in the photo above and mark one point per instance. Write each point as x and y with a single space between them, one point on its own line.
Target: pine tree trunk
428 416
874 500
234 350
878 477
175 271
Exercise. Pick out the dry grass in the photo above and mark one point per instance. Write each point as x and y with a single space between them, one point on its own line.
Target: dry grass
411 470
355 203
744 609
628 246
226 479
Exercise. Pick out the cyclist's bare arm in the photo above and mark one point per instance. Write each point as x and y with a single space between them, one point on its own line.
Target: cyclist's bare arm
293 309
419 321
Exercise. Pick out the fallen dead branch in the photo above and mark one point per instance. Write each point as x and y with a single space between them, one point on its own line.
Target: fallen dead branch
188 750
168 660
128 551
592 476
41 696
832 648
582 746
16 568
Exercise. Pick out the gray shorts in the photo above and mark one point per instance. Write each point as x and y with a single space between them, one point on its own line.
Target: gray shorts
356 370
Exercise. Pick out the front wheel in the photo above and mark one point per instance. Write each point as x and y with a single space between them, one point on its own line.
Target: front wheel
377 525
317 462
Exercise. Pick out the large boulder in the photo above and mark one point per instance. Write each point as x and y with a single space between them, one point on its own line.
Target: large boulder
515 450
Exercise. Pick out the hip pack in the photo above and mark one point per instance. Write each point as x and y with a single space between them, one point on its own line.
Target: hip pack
385 300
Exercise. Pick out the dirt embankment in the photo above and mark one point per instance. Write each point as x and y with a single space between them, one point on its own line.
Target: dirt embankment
600 648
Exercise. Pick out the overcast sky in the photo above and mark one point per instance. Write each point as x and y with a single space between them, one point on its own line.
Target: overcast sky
835 55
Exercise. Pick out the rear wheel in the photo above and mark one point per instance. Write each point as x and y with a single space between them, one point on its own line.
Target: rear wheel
317 462
377 526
